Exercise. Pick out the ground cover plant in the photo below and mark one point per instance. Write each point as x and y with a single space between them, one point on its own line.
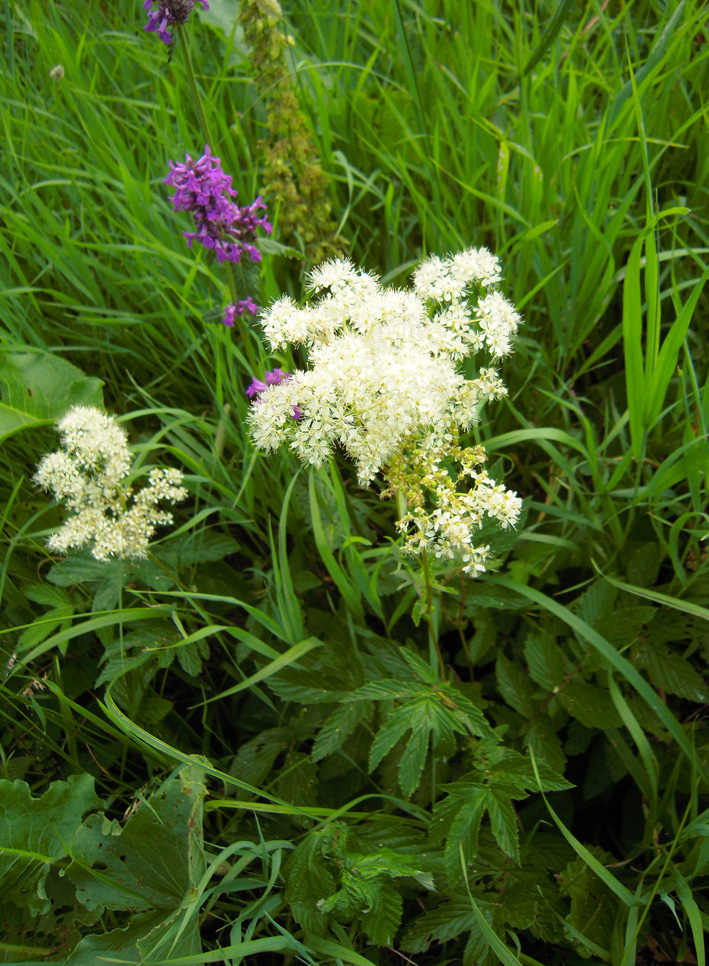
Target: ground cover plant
371 658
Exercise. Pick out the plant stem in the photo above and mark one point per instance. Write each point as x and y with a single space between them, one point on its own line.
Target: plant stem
194 90
434 646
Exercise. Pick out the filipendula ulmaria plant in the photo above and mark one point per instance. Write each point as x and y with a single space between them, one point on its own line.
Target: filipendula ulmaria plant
90 475
293 177
385 384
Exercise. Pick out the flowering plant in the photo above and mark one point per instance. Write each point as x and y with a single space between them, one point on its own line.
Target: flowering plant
89 474
384 384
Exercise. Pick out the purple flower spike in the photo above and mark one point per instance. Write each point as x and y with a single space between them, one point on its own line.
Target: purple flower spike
222 226
297 414
232 311
168 12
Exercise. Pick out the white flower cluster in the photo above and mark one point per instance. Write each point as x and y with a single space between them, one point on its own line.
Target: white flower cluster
88 474
384 370
447 529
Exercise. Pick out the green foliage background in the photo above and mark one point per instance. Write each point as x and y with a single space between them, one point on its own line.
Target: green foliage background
245 746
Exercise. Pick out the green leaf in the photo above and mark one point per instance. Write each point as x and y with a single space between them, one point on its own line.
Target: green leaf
545 659
308 882
590 705
461 815
154 861
669 671
38 388
36 832
382 919
339 726
447 921
149 937
550 34
503 821
515 686
593 905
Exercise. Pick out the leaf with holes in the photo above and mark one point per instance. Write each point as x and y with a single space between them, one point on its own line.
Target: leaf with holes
151 866
37 832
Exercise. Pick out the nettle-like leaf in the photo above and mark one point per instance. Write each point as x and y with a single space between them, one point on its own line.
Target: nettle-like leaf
671 672
499 777
515 686
590 705
545 659
150 866
330 875
339 726
431 711
451 921
37 832
594 908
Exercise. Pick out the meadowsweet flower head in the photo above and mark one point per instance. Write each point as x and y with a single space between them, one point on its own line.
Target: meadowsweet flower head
384 383
168 12
202 188
88 474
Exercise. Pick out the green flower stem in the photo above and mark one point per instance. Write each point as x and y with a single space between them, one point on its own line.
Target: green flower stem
194 90
434 646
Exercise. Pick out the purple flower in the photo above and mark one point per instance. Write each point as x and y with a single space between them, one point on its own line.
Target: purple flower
256 388
245 305
229 229
168 12
273 378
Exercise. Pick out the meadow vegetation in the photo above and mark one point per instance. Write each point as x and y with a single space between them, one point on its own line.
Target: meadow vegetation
278 736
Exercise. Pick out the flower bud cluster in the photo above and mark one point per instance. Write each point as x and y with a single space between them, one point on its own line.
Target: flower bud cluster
88 474
167 13
384 384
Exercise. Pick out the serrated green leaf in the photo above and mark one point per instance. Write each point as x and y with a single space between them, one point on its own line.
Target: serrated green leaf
45 625
393 730
667 670
545 659
414 758
449 920
387 691
464 829
309 881
590 705
543 740
593 906
189 659
36 832
503 821
339 726
149 937
515 686
383 917
255 759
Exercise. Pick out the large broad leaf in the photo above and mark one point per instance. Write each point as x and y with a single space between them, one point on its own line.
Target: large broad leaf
35 833
36 388
151 866
58 930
